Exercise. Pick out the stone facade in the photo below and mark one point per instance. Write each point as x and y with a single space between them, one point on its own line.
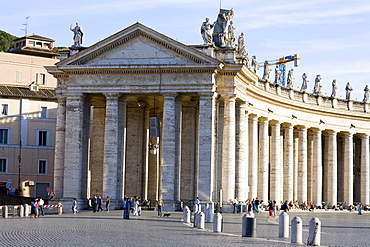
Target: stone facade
224 132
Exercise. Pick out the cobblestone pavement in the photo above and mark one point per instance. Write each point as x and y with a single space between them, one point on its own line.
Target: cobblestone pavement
102 229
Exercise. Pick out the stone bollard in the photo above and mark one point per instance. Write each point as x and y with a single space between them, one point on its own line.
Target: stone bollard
249 223
217 223
284 225
196 216
314 232
187 215
296 236
60 208
209 213
21 211
184 213
26 210
201 220
5 211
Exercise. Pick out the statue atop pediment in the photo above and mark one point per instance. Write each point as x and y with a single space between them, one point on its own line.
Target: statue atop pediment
224 30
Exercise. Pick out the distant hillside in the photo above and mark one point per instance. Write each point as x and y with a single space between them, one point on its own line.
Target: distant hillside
6 41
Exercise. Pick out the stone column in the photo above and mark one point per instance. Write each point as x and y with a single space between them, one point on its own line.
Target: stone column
253 156
168 152
302 164
178 123
110 161
288 162
332 187
275 163
75 160
206 146
121 147
348 169
316 181
146 153
295 163
59 147
228 150
263 166
241 184
364 169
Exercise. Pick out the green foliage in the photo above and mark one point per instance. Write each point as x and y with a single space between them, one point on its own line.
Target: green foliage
6 41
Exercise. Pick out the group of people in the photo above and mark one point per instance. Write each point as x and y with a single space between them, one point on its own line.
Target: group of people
37 208
97 203
131 205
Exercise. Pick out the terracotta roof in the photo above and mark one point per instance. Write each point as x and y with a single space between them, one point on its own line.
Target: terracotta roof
36 37
24 91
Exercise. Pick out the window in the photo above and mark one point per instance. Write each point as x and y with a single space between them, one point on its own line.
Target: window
4 109
42 166
41 79
4 136
44 112
31 43
3 165
42 141
19 76
39 44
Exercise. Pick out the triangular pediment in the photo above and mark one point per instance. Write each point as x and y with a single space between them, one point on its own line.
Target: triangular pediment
138 45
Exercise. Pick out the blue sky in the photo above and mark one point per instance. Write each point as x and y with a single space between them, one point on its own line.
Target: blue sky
331 36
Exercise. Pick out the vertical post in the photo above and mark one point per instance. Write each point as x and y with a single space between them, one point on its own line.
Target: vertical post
217 223
314 234
228 150
296 236
284 225
263 164
253 155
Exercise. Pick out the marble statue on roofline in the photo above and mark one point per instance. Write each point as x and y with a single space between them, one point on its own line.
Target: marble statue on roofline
241 50
318 85
254 64
366 95
348 91
334 89
206 31
304 82
290 79
266 71
231 35
277 75
78 34
221 32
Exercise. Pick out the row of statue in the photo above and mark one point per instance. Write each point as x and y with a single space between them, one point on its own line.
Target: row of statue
222 33
317 86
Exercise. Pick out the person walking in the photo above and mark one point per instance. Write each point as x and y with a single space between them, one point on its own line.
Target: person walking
160 204
126 208
107 203
41 207
95 203
74 206
196 205
33 209
359 209
99 204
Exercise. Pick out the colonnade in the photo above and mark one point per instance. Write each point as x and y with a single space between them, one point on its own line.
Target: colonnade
259 156
294 162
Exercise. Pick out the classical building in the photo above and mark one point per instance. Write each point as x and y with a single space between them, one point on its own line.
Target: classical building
27 117
140 114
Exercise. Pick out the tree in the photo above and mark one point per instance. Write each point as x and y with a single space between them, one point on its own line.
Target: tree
6 41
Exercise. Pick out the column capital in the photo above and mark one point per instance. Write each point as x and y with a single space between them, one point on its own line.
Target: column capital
348 134
208 95
316 130
263 119
302 127
169 95
330 132
112 95
287 125
76 95
253 116
274 122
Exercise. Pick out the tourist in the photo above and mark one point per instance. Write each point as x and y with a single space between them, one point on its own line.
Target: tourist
95 203
107 203
41 207
160 205
236 205
126 208
136 206
359 209
270 208
196 205
256 205
74 205
33 208
285 207
99 204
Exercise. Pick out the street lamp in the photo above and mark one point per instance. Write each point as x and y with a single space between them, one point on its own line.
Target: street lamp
19 168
